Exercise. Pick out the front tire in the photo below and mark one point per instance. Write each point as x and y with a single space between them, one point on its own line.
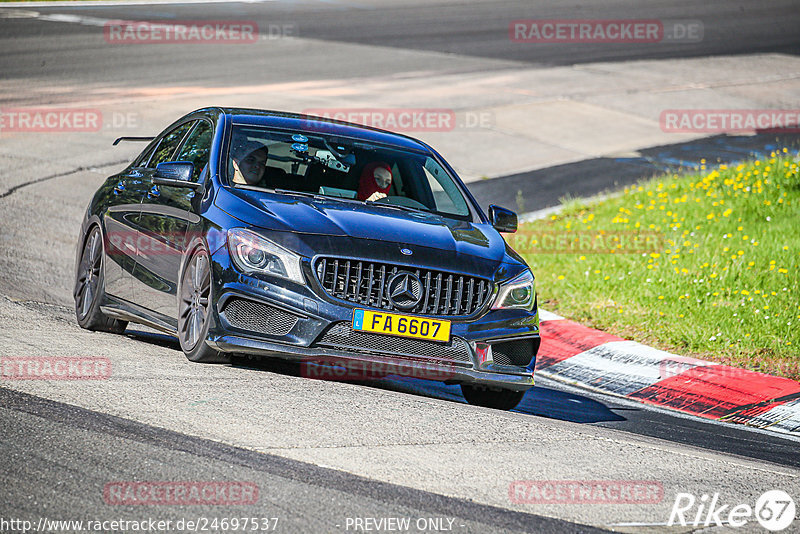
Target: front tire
90 288
504 399
194 309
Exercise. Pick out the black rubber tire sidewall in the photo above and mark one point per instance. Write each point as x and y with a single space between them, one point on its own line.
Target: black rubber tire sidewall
201 352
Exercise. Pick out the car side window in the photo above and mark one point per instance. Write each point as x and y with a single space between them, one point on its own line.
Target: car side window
444 190
197 148
166 148
144 157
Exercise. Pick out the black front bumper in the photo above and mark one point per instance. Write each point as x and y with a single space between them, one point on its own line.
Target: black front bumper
259 316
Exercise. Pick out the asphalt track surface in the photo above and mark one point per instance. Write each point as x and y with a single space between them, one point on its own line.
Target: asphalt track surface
53 452
472 29
304 497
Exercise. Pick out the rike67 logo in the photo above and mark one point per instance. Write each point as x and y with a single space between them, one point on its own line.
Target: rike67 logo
774 510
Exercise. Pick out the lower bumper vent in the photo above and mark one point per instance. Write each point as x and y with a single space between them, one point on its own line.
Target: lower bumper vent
342 337
257 317
518 352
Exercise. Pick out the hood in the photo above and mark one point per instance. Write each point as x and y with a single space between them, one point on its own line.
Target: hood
343 228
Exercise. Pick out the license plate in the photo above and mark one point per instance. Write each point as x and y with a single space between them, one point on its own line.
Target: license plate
395 324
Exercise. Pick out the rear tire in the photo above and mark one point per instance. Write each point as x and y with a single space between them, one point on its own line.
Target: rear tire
90 288
194 307
504 399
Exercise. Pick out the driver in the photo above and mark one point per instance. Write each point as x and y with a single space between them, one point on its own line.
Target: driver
249 161
376 179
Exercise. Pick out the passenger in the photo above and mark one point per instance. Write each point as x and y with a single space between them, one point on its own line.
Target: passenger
376 179
249 161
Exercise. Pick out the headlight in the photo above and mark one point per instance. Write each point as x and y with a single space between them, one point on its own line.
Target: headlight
519 293
253 254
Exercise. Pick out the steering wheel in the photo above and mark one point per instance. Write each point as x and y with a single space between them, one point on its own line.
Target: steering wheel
402 201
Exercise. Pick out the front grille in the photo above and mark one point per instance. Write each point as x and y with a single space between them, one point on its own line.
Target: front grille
257 317
365 283
518 352
341 336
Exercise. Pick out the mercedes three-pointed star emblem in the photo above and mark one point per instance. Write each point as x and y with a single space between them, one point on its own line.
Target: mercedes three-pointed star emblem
404 290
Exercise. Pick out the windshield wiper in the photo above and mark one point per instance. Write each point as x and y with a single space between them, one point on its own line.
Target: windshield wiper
397 206
298 193
316 196
320 196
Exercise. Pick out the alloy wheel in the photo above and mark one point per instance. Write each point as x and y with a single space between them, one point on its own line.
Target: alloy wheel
89 274
194 302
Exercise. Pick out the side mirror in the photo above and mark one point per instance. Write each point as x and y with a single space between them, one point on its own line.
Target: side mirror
503 220
175 174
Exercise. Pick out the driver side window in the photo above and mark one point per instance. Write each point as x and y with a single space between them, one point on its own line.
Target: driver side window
168 145
142 160
197 148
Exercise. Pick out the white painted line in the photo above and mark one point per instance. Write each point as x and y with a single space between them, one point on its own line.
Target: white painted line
73 19
597 394
546 212
69 18
622 367
539 214
545 315
107 3
782 418
17 13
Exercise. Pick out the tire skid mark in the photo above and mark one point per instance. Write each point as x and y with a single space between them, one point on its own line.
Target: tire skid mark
35 181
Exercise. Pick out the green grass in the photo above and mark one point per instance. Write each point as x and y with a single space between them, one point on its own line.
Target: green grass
714 273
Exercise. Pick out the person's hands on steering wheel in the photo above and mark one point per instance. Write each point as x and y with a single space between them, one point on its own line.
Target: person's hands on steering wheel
377 195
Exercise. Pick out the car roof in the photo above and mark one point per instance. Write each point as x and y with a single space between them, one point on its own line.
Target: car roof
313 124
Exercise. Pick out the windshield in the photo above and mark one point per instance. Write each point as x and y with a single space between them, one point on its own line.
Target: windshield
342 168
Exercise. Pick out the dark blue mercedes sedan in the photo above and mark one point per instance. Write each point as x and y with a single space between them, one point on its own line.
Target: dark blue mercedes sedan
340 246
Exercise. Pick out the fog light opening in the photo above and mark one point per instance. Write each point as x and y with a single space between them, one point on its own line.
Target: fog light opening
484 352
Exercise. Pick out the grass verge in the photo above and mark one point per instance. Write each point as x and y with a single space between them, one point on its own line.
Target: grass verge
702 264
